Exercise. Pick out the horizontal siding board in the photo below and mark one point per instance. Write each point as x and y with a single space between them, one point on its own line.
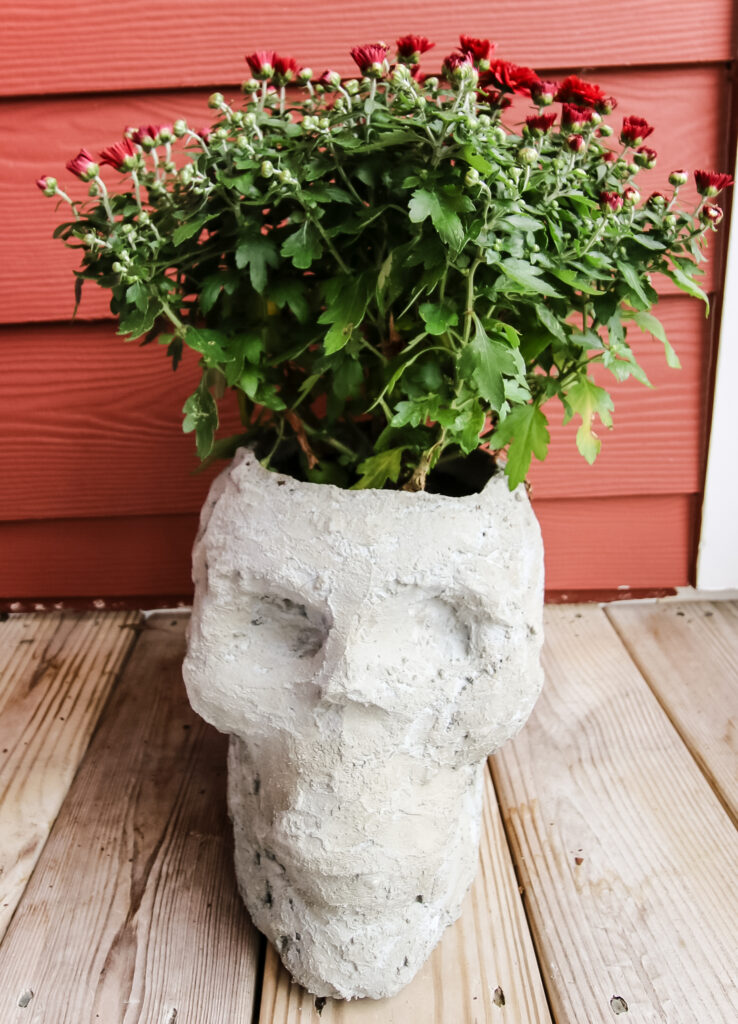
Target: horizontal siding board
595 543
50 47
687 106
97 432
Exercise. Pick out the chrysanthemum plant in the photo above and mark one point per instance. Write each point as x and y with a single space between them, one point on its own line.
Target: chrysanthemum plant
387 273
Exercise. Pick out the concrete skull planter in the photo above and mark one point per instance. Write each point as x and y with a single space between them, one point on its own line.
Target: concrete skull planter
366 651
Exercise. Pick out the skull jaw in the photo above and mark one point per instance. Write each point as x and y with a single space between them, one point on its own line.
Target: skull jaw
349 934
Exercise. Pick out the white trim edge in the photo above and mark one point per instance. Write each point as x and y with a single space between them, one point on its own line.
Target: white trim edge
717 556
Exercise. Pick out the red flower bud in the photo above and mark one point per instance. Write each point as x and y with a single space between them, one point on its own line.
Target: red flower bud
262 63
330 80
539 123
409 48
645 157
455 63
147 134
678 178
709 183
118 155
575 116
635 131
371 59
543 93
631 194
575 143
478 49
584 94
285 70
83 165
657 200
711 214
609 157
611 201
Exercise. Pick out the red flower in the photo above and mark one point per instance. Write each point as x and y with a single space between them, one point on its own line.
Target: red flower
645 157
709 183
635 131
409 48
262 63
540 122
609 157
611 200
205 134
371 59
83 165
571 115
478 49
510 77
147 132
117 154
575 142
584 94
543 93
285 70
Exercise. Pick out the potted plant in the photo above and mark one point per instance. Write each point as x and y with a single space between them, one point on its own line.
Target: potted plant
395 280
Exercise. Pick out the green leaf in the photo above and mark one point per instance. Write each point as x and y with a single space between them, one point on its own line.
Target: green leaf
475 160
652 325
190 228
442 210
257 252
587 399
438 317
523 221
293 294
139 321
688 285
201 415
649 243
633 280
303 246
485 361
210 344
525 430
551 322
527 276
378 469
347 302
209 292
137 295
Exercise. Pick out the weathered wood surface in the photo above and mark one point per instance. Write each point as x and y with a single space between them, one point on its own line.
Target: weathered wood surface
621 542
688 654
484 961
80 47
625 853
132 915
56 672
686 105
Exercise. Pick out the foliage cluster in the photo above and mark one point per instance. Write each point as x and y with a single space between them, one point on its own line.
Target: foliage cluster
384 271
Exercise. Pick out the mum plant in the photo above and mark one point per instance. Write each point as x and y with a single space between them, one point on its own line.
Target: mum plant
386 272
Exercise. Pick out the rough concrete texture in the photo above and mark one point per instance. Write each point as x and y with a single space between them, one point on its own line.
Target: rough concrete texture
366 651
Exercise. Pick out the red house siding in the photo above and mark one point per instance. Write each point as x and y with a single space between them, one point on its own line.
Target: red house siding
99 497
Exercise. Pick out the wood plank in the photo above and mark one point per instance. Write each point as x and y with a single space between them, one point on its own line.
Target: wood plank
485 957
132 914
51 48
591 544
126 403
57 674
688 654
686 104
621 844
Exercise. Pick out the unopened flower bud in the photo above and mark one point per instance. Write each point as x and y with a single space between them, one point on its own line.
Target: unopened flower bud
497 135
351 86
143 217
93 190
575 143
216 100
324 124
471 178
711 214
604 131
528 155
47 184
117 267
304 75
656 201
179 128
631 195
267 169
677 178
220 134
595 118
242 142
670 220
250 86
90 239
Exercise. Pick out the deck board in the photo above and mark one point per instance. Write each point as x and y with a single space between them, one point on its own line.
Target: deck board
688 653
621 843
56 672
132 912
487 955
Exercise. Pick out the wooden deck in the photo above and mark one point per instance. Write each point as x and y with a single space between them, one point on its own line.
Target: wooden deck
609 862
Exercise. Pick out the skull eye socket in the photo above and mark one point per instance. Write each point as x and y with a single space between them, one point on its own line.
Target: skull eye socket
288 628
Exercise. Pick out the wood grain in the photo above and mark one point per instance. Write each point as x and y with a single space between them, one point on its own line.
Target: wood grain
83 47
688 106
98 433
487 955
56 673
688 654
591 544
132 915
622 846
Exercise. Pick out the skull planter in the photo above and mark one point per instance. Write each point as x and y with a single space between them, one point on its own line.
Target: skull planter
365 650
